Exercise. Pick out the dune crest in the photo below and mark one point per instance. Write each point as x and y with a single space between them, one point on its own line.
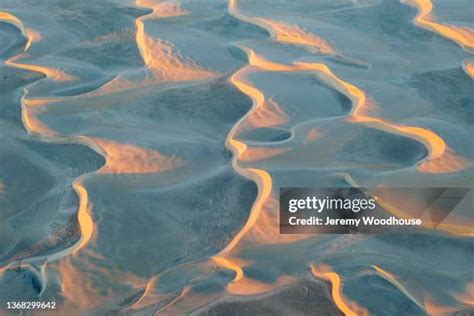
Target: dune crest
347 307
463 36
131 159
284 32
146 143
160 56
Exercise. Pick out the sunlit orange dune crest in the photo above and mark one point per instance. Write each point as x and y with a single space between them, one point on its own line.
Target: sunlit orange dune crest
33 36
284 32
464 36
266 229
50 72
293 34
254 154
256 95
231 265
313 135
433 308
131 159
86 224
347 307
242 285
33 124
30 34
435 144
232 5
170 66
441 159
167 65
248 286
466 298
261 177
30 110
242 151
149 296
10 18
362 105
447 163
162 9
469 68
390 278
264 183
160 56
39 102
237 147
368 108
268 115
261 62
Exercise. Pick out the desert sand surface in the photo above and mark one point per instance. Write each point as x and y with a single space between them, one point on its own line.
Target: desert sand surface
143 145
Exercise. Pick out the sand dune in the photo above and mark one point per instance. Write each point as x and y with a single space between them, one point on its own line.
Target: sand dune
143 145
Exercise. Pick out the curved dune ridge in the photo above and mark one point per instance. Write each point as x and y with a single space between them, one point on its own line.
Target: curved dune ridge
462 35
32 124
159 133
121 158
165 64
441 158
348 308
125 158
284 32
158 55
